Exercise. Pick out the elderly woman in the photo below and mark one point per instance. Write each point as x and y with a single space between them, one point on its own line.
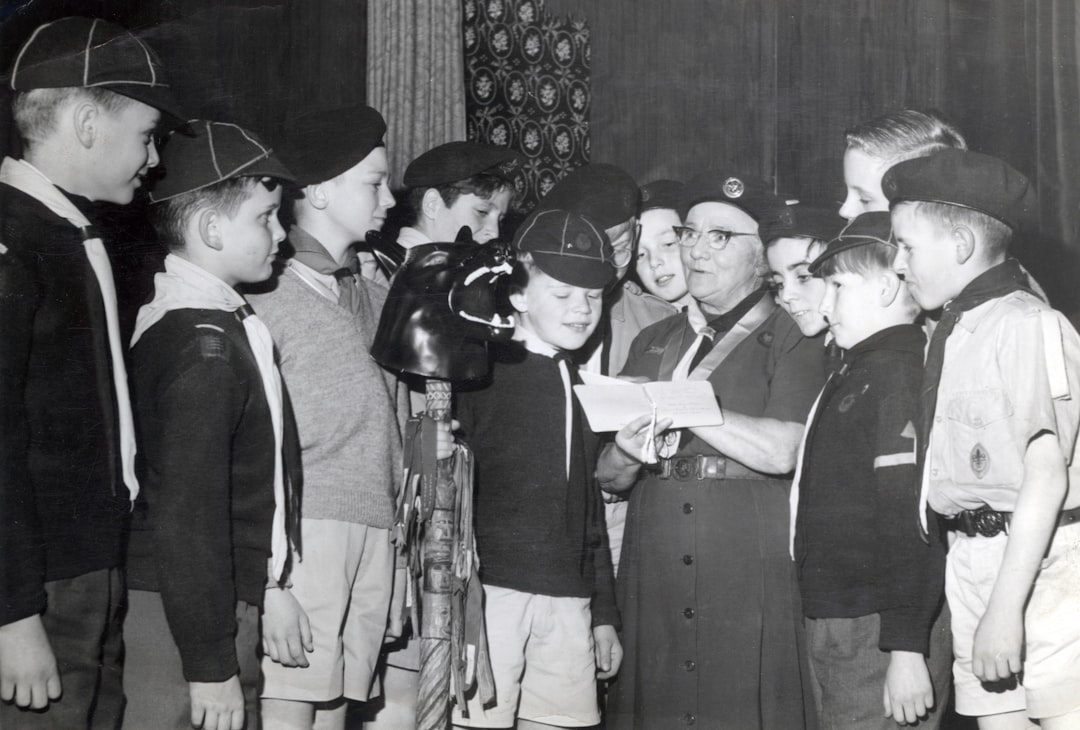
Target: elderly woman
710 608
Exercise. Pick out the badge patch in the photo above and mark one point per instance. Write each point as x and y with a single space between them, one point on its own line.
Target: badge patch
655 350
846 403
980 461
766 338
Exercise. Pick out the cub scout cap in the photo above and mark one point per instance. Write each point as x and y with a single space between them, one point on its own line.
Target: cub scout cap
874 227
800 221
661 194
604 194
319 146
90 52
213 153
749 194
967 179
567 247
455 161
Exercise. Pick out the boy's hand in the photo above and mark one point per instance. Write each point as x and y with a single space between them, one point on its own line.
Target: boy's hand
217 705
999 641
286 629
444 444
28 673
909 693
608 651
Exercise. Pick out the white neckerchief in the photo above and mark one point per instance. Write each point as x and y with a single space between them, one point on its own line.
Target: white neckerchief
184 285
23 176
793 495
535 345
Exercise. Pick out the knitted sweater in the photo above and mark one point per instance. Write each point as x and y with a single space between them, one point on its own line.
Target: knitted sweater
343 400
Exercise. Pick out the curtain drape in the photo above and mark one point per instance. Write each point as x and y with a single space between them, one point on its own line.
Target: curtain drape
415 75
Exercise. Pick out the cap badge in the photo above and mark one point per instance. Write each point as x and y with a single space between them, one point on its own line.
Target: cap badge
786 217
581 242
734 187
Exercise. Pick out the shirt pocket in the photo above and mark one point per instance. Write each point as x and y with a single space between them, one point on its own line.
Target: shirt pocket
981 448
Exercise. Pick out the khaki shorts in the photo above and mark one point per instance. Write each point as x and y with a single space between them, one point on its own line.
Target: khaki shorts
1051 674
343 584
543 660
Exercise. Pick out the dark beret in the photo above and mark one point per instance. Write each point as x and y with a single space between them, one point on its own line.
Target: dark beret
751 195
800 221
568 247
318 146
210 152
604 194
967 179
90 52
454 161
666 194
873 227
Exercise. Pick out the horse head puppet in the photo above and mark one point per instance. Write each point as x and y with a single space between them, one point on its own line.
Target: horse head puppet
441 310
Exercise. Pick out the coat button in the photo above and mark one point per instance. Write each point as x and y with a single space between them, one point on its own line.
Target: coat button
688 612
688 719
687 508
688 559
689 665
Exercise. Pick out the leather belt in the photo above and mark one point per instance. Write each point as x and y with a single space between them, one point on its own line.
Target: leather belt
986 522
698 467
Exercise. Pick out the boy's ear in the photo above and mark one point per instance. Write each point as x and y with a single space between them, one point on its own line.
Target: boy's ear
431 203
85 117
964 242
317 196
517 301
890 287
209 221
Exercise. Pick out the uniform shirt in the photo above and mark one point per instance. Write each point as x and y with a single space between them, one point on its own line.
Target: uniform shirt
1005 362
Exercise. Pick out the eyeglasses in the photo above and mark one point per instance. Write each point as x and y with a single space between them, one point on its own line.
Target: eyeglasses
621 254
717 238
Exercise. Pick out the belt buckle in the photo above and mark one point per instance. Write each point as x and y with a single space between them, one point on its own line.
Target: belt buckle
989 522
710 467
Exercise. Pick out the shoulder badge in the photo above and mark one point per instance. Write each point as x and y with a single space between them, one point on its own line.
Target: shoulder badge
213 343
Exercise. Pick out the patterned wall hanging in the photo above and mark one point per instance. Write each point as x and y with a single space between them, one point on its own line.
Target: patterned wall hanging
527 87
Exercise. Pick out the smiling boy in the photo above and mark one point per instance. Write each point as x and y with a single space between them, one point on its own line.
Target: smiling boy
545 564
209 529
88 97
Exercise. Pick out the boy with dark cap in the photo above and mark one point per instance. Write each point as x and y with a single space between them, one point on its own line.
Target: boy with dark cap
997 432
459 184
209 528
545 564
88 97
870 586
324 631
608 196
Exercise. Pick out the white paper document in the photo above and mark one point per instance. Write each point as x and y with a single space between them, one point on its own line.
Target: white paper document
611 403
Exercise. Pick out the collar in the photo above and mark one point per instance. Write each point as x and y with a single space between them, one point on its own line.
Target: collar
899 338
533 343
1001 280
409 237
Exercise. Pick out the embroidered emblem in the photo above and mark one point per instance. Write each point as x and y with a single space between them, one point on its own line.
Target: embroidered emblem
847 402
734 188
212 346
765 338
980 461
655 350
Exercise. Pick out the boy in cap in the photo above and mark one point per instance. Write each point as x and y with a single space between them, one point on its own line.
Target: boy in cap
870 586
998 426
324 631
209 529
88 97
459 184
608 196
545 564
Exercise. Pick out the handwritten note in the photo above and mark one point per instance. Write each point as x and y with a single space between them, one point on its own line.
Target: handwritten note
611 403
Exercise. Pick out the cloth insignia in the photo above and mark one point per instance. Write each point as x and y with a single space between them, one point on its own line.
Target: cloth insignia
980 460
847 402
909 431
212 342
766 338
655 350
